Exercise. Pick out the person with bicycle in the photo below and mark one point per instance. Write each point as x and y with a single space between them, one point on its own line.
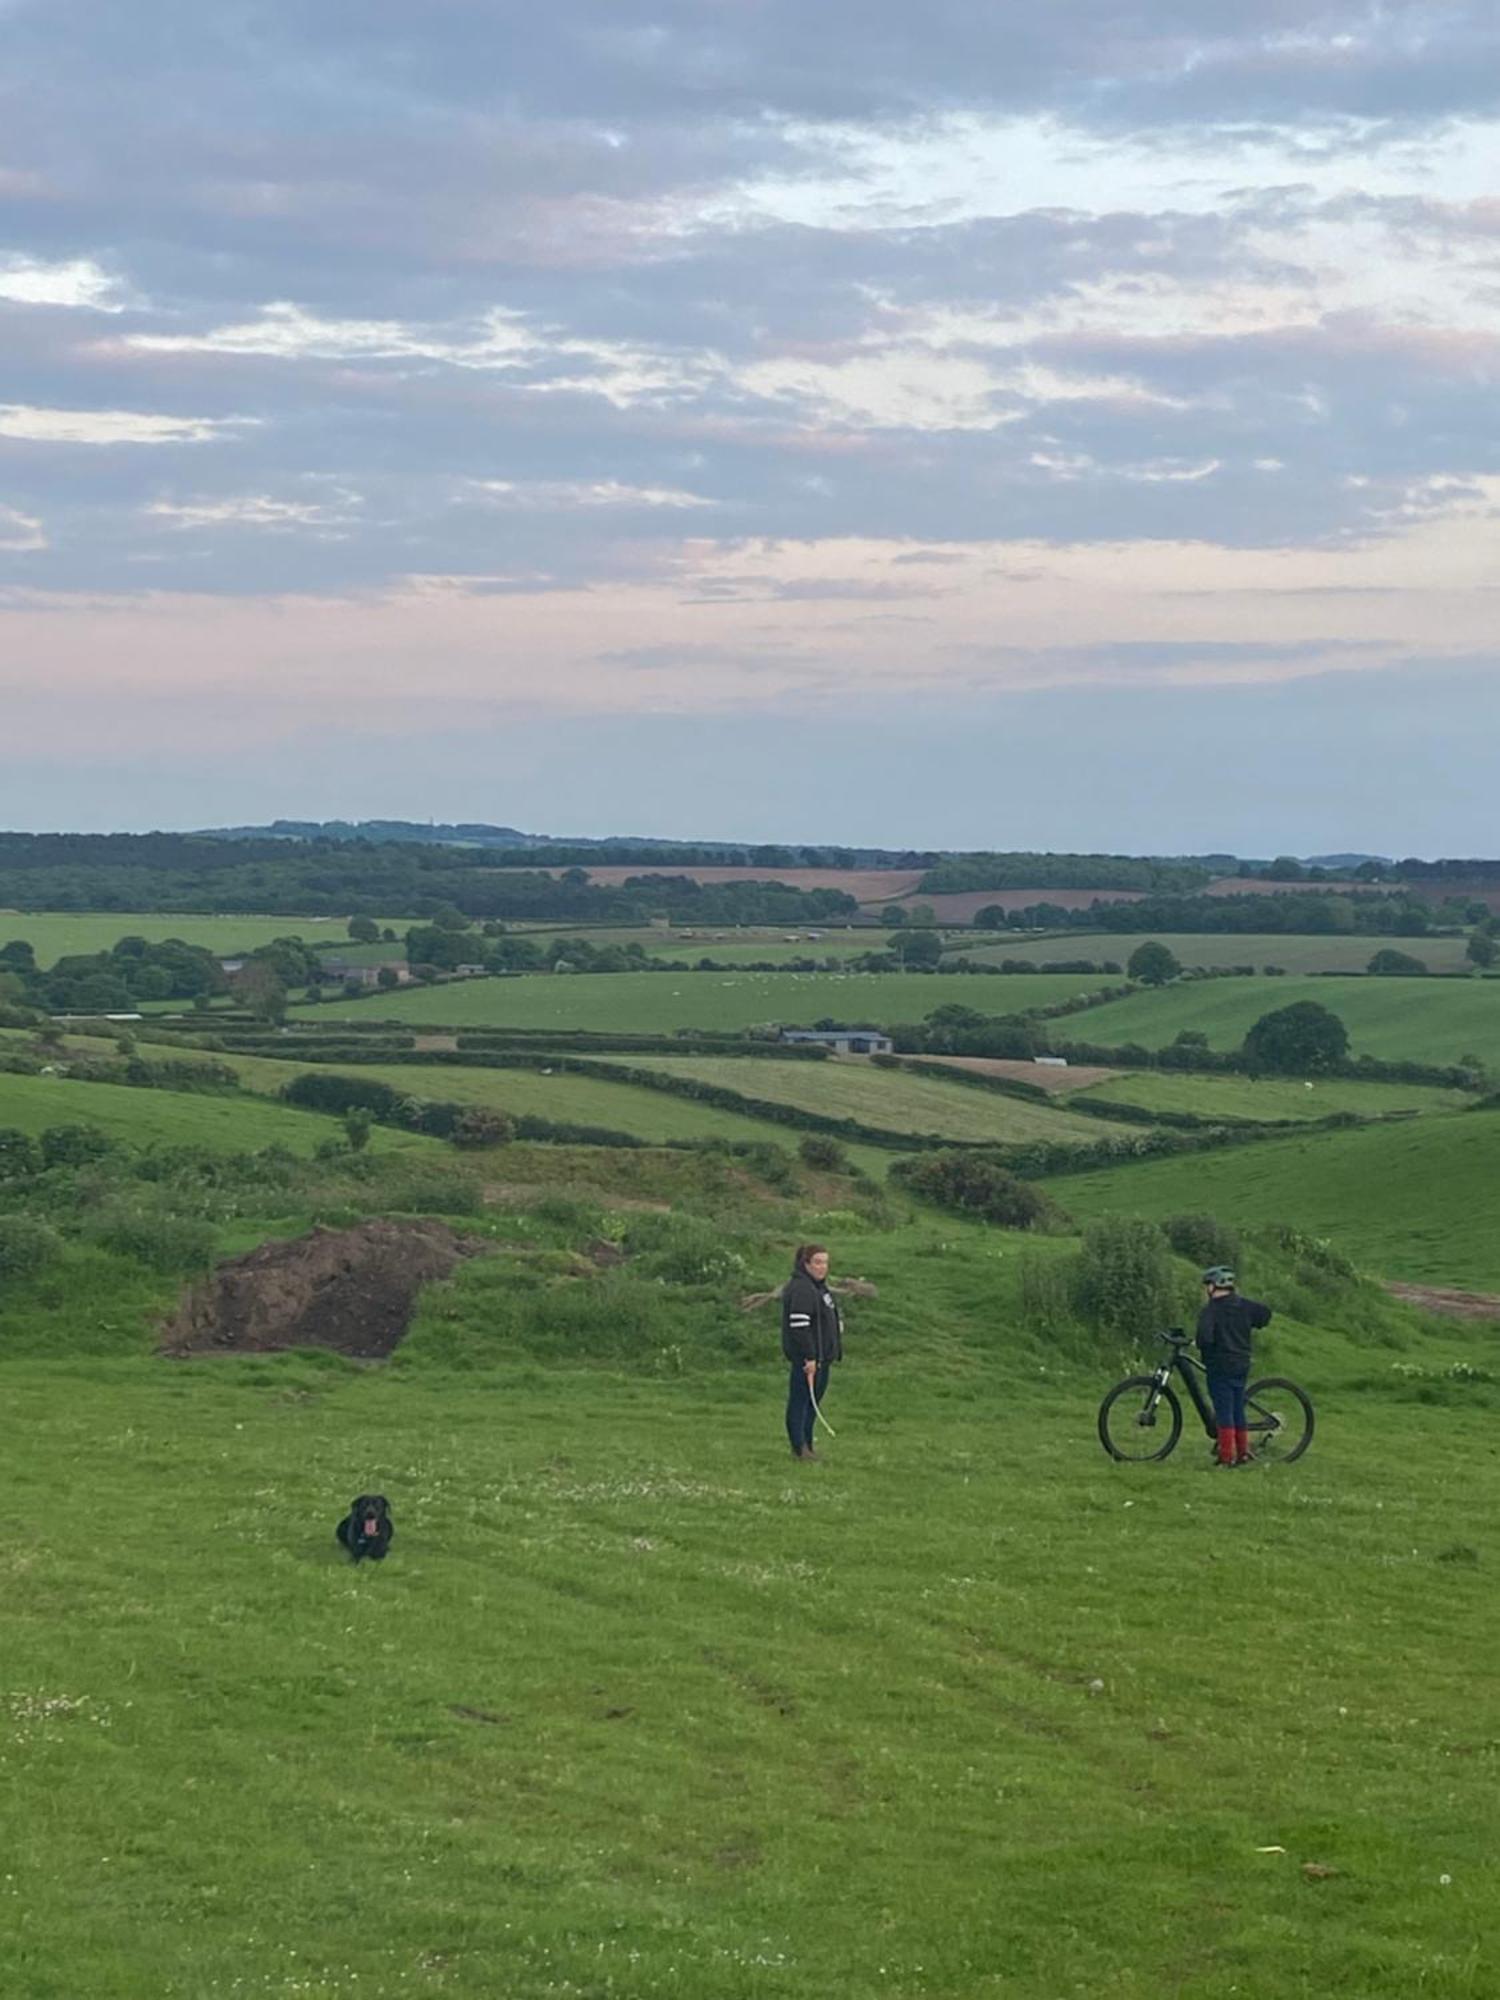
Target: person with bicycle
1227 1326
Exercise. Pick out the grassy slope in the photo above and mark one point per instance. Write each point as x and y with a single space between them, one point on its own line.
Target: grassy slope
1293 954
646 1002
895 1100
64 933
638 1709
1423 1020
1414 1200
173 1118
1268 1097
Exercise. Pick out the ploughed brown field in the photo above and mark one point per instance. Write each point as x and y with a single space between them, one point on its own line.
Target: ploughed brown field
866 885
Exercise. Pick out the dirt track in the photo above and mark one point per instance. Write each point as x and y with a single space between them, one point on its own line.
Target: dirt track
1444 1299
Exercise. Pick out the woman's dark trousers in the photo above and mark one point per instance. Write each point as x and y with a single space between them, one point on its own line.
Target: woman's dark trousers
800 1417
1228 1393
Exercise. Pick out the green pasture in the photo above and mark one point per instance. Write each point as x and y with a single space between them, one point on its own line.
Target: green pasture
657 1002
56 934
1397 1020
637 1707
1269 1098
1414 1200
141 1117
1215 948
735 947
895 1100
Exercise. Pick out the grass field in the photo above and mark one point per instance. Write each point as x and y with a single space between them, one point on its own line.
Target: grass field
56 934
736 947
1271 1098
1414 1200
637 1708
895 1100
1421 1020
1292 954
652 1002
174 1118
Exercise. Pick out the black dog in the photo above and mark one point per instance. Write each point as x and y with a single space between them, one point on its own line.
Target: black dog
367 1528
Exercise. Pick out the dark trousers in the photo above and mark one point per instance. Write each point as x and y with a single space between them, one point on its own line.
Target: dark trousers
800 1419
1228 1393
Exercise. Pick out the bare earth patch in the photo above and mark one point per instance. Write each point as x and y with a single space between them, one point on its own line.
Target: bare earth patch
353 1290
1445 1299
1056 1082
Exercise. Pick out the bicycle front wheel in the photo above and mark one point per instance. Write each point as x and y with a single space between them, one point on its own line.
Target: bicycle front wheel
1139 1420
1279 1418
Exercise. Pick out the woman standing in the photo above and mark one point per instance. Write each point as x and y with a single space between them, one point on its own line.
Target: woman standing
811 1339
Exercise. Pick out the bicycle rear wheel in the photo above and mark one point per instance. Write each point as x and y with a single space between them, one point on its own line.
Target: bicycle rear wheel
1139 1420
1279 1419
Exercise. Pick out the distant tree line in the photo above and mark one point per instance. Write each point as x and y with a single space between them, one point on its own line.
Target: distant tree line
961 873
1372 915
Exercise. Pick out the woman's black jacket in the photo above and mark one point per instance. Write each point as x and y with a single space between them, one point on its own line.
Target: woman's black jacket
811 1329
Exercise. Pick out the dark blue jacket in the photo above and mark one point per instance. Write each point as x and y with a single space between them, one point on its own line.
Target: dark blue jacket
1226 1328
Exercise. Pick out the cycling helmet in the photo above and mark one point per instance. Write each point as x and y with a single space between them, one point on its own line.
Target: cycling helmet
1219 1274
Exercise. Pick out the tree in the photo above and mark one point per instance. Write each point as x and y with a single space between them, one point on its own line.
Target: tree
922 913
917 948
357 1123
1153 964
258 987
387 977
1392 964
364 930
1482 951
1297 1040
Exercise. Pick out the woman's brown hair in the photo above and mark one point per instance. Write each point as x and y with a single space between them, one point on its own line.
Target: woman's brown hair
807 1251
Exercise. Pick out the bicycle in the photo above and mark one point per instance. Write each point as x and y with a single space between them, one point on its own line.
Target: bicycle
1140 1420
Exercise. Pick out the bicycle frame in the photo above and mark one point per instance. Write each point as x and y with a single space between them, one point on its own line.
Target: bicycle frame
1195 1375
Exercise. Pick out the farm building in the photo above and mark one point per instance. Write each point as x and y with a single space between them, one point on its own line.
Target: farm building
848 1041
366 975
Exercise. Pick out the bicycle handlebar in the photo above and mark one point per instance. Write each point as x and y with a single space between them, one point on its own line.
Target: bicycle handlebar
1174 1336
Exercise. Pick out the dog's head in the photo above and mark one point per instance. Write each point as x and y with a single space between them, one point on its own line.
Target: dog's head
369 1517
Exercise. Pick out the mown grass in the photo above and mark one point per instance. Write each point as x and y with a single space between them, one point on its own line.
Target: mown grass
1268 1097
654 1002
55 934
1213 948
1413 1200
1398 1020
639 1708
176 1118
895 1100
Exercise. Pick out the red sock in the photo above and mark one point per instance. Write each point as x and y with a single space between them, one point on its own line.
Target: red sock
1226 1445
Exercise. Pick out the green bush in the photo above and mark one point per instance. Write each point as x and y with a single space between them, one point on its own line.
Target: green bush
167 1243
1202 1239
481 1126
19 1156
1124 1284
1047 1294
74 1145
26 1246
974 1185
823 1155
682 1250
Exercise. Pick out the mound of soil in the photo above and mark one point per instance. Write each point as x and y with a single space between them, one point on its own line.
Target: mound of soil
350 1289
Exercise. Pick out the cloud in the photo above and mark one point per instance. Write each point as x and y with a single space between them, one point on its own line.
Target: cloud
40 426
20 534
76 282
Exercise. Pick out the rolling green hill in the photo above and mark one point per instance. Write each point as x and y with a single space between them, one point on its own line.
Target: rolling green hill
894 1100
655 1002
1414 1200
1291 953
1270 1098
1415 1020
174 1118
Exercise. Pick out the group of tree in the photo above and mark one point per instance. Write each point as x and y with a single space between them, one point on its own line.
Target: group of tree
963 873
1314 914
109 982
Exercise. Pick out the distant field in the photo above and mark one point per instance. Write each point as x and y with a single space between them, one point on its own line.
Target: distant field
734 947
654 1002
1294 954
866 885
59 934
895 1100
1414 1201
174 1118
1270 1098
1420 1020
573 1100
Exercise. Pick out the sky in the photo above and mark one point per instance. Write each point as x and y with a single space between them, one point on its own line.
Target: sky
945 425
